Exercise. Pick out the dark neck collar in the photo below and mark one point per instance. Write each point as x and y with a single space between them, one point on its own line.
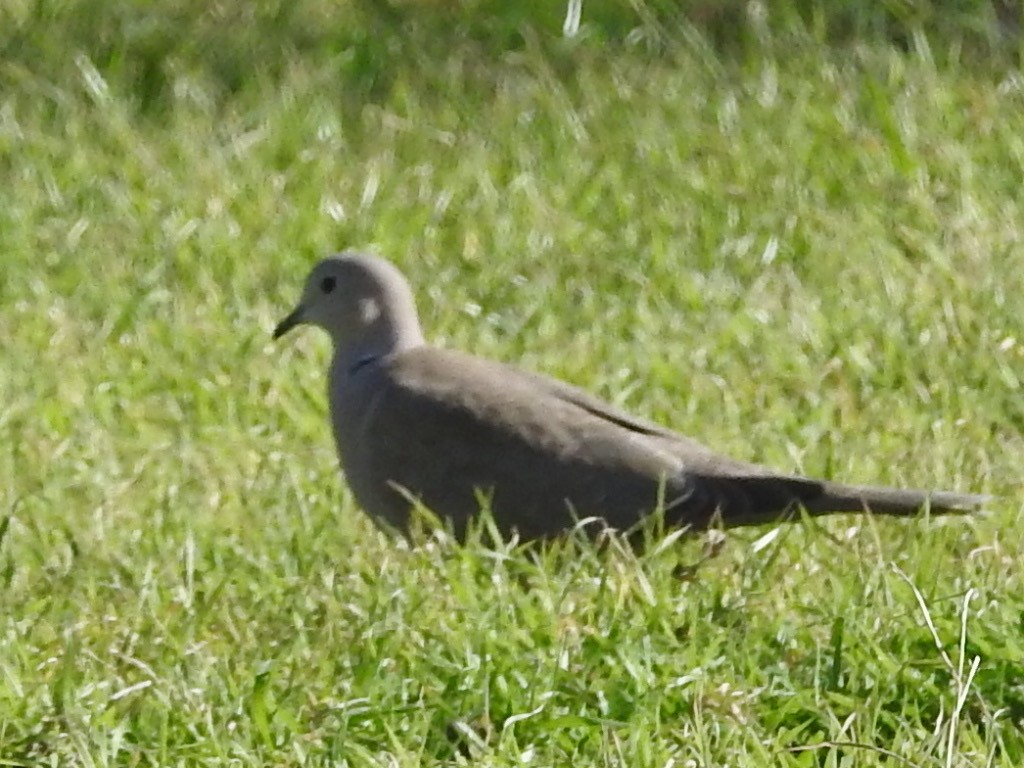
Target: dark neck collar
361 363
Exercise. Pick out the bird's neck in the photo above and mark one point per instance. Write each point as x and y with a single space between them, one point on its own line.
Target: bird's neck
375 343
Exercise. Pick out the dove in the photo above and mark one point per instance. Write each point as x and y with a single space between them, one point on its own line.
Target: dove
416 424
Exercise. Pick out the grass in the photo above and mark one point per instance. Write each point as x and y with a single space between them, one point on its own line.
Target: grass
807 253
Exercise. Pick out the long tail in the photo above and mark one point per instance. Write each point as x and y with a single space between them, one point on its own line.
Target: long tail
749 499
731 499
837 497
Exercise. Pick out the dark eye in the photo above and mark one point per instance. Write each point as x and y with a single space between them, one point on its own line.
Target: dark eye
327 284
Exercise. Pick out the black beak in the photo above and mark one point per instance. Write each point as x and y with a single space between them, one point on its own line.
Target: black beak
295 318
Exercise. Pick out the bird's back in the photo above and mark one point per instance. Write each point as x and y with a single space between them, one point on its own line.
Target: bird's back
451 430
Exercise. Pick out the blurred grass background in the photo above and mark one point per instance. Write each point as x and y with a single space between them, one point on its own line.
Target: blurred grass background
791 230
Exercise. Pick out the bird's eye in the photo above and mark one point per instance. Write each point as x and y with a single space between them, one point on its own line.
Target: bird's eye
327 284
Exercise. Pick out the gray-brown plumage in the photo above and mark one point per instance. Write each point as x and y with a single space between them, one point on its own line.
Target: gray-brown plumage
448 429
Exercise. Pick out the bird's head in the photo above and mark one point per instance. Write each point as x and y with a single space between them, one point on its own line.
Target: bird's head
363 302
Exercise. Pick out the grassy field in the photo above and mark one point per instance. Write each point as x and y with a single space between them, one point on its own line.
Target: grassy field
803 250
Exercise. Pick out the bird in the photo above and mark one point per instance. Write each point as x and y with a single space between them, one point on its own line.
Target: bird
420 426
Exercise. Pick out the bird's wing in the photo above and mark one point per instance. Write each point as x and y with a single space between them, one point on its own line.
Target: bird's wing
444 425
695 456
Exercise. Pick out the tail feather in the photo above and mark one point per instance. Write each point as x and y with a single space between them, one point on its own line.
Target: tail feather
837 497
731 499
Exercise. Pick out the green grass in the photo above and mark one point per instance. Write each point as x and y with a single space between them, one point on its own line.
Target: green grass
807 253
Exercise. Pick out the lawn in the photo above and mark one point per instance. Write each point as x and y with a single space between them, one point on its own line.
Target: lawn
803 248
